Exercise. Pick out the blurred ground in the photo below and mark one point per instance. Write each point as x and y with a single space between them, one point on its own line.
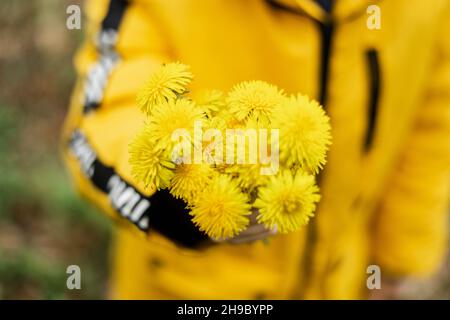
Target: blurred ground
44 226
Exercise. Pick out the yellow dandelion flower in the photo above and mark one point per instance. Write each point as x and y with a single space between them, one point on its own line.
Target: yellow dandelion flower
222 209
254 122
216 148
149 164
165 84
170 116
189 180
211 101
248 176
226 120
287 201
216 122
254 153
304 133
256 98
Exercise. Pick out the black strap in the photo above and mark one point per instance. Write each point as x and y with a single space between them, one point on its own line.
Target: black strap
98 76
114 14
161 212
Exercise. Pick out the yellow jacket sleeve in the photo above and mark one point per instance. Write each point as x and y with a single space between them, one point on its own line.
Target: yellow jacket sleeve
103 118
411 235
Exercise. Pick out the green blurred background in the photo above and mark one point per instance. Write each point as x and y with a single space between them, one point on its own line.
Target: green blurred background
44 225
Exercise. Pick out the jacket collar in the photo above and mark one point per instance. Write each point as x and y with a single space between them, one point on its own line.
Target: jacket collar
342 10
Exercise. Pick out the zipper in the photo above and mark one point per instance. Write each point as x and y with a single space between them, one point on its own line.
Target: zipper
374 89
326 31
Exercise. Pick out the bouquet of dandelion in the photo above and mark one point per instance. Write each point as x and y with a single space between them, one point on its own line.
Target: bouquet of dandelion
214 152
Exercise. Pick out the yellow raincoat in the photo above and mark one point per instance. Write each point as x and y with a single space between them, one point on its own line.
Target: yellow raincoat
385 187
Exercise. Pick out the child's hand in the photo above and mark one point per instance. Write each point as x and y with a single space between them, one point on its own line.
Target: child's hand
389 290
255 231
